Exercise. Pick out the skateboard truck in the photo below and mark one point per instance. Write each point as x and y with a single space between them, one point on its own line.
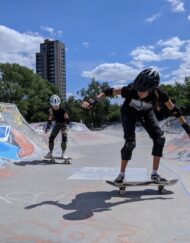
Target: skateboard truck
161 186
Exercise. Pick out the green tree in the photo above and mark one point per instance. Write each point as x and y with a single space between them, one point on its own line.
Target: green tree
185 96
74 109
99 113
20 85
114 113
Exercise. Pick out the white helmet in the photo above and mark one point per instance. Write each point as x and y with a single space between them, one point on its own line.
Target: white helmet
55 100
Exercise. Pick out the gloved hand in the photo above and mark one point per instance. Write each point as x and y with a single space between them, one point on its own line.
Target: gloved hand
67 120
186 127
89 103
48 127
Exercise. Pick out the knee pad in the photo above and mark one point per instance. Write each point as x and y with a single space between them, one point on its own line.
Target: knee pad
126 151
158 146
130 145
160 141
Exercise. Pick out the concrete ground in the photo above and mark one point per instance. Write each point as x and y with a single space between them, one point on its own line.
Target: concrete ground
40 204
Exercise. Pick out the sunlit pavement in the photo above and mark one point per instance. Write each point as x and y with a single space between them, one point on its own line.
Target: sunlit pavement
40 202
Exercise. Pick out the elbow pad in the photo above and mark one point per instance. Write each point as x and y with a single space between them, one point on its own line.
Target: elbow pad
108 92
176 112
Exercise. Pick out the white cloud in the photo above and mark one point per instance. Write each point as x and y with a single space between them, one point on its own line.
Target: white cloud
59 32
169 49
164 50
137 64
48 29
86 44
153 18
182 72
112 72
171 53
177 5
18 47
173 42
144 54
51 31
188 17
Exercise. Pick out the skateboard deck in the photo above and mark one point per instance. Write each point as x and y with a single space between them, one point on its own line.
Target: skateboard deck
59 160
161 186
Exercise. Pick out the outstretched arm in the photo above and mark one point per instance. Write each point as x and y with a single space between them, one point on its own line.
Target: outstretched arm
109 92
178 114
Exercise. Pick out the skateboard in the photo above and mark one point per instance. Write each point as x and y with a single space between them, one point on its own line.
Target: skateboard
161 186
59 160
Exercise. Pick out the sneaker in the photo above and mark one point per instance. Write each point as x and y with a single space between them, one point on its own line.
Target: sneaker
49 155
63 156
119 180
157 178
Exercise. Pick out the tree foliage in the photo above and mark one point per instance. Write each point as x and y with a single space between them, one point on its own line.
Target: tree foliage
100 113
31 93
27 90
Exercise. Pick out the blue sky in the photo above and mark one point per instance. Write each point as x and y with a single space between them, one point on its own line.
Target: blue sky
110 40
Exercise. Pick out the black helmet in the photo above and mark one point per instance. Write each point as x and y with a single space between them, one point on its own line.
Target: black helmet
147 80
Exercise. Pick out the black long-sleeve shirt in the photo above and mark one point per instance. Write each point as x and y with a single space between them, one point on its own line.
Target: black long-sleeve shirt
133 104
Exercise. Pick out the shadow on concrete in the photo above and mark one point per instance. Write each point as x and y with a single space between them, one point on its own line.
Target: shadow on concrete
36 162
88 203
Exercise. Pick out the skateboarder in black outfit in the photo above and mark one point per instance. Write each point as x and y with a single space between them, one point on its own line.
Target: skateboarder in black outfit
61 118
141 97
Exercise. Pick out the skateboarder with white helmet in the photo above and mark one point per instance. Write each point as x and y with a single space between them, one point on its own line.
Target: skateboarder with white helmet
141 96
57 113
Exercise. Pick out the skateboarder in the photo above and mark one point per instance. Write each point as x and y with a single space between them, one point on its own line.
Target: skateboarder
141 97
57 113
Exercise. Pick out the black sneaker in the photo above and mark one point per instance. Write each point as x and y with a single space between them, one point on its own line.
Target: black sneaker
157 178
119 180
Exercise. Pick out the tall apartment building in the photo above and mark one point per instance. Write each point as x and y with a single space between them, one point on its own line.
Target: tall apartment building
50 64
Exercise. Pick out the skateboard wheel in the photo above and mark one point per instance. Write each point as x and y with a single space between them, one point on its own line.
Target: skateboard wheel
161 189
121 191
66 162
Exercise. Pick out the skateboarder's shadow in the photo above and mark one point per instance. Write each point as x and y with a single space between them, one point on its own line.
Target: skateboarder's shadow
35 162
86 204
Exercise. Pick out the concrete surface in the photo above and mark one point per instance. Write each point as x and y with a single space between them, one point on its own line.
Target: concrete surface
41 203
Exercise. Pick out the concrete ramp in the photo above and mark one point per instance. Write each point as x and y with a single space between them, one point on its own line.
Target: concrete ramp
22 141
178 147
46 202
178 144
18 141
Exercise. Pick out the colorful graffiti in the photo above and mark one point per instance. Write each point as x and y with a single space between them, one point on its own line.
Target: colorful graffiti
17 139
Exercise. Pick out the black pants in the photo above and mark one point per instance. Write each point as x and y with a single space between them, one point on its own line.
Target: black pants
150 123
57 128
